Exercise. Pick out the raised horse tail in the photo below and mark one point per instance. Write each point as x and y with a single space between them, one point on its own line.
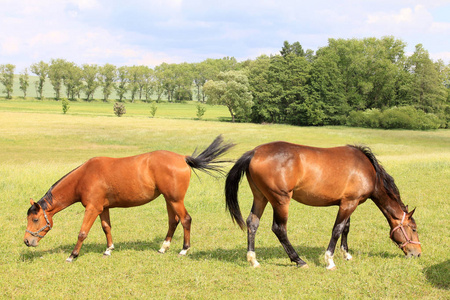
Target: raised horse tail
232 187
208 161
382 176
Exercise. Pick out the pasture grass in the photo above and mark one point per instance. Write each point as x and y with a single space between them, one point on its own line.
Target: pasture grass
40 145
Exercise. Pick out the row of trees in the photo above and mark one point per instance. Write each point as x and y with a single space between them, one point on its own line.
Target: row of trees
175 81
294 87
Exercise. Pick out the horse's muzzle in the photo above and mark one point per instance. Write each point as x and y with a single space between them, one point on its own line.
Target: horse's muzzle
32 243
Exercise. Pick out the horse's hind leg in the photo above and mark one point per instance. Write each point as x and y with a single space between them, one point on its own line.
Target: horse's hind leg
259 204
344 246
106 225
280 216
173 223
185 219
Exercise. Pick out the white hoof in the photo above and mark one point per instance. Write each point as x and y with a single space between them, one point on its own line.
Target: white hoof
165 246
108 251
69 259
345 254
329 261
183 252
251 258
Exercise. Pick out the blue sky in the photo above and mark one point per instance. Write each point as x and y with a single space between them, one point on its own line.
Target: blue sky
148 32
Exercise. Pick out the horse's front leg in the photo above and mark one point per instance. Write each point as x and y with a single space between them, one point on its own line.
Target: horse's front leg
90 215
342 220
106 225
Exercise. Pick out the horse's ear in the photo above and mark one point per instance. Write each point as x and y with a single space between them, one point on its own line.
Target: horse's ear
407 209
411 212
32 201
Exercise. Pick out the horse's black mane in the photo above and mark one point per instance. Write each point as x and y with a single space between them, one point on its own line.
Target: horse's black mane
47 199
388 181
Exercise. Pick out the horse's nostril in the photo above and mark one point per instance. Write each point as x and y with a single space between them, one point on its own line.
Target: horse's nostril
418 255
26 242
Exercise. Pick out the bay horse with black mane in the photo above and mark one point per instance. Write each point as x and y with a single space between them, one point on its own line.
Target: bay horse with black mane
344 176
103 183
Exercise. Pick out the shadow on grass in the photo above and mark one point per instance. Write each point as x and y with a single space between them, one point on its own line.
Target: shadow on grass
439 275
237 255
155 244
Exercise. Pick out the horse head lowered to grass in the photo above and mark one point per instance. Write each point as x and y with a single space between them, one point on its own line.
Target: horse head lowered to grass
344 176
103 183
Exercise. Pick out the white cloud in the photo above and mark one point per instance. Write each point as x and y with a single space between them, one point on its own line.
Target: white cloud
407 19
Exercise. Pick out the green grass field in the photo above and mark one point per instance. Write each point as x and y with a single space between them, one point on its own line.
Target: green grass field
39 145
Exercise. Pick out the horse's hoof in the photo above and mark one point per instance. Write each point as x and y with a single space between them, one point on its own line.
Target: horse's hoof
161 252
332 268
106 255
69 260
183 252
305 266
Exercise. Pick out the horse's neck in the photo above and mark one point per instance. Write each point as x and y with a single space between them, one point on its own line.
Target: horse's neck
391 209
63 195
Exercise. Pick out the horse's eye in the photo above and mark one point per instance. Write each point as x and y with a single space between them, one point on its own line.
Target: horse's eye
414 230
35 220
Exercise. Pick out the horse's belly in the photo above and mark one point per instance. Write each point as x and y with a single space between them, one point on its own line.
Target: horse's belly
315 199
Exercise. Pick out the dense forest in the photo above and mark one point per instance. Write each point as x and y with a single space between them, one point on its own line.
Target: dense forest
367 82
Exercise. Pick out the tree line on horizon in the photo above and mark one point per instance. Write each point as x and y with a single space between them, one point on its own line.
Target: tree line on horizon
366 82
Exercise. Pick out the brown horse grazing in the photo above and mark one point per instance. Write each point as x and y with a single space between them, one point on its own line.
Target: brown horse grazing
343 176
103 183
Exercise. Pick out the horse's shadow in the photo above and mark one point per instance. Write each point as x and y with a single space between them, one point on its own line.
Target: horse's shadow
439 275
312 255
237 255
29 256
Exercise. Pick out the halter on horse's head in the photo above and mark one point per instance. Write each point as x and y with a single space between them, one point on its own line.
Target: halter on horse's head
36 229
405 235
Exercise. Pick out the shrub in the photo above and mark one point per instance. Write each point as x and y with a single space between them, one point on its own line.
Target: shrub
65 105
369 118
153 109
201 109
407 117
119 109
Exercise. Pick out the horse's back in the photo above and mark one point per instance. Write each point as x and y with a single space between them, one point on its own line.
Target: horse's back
133 180
311 175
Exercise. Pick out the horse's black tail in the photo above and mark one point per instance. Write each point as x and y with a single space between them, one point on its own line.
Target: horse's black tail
232 187
208 161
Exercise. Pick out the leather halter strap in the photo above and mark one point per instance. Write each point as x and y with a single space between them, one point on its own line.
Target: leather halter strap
36 234
408 240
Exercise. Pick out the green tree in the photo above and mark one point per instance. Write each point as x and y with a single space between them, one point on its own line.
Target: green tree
106 78
326 89
7 78
265 107
166 77
427 91
183 77
24 82
41 71
148 82
73 80
122 84
56 72
202 72
90 74
232 90
295 49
